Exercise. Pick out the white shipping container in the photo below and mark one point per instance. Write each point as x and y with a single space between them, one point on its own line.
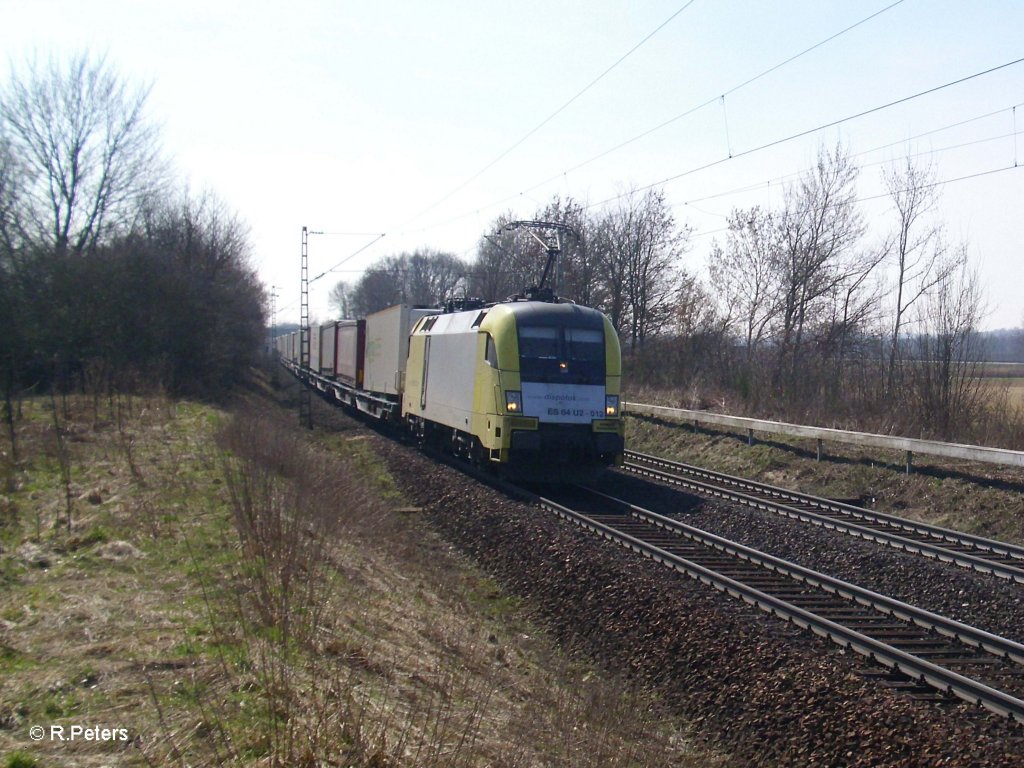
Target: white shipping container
314 347
350 342
327 348
387 347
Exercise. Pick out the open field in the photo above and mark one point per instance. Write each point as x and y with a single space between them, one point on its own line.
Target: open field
1012 388
1005 380
1003 370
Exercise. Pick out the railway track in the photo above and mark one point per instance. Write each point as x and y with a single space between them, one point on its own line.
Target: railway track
930 650
974 552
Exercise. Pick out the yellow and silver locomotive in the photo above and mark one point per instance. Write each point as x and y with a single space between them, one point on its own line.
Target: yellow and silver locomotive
532 386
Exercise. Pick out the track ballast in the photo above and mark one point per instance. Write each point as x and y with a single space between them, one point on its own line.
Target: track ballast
925 648
974 552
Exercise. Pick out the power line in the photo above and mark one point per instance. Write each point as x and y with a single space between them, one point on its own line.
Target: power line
550 117
809 131
350 256
966 177
788 176
662 125
767 145
376 237
719 230
716 99
879 196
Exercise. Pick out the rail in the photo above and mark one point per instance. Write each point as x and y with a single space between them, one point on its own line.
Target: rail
910 445
886 654
983 555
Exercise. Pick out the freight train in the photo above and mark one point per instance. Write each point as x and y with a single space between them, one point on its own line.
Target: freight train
530 388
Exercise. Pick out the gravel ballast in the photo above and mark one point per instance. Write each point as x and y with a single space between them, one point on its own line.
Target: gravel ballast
981 600
765 691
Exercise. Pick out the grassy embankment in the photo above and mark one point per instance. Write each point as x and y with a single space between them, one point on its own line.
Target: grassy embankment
234 591
977 498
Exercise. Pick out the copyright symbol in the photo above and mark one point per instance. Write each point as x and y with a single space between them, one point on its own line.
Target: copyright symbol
37 733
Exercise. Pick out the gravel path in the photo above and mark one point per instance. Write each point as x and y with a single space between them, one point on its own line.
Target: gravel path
763 690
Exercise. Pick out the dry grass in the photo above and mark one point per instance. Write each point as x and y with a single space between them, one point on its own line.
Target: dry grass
256 600
1010 388
974 498
83 612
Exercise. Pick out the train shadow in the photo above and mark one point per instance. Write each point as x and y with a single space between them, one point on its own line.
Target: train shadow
663 499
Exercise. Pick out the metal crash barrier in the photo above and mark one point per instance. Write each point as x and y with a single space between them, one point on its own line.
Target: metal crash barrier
909 445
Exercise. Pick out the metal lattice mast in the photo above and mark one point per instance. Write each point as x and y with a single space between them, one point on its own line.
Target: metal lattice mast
305 396
273 318
273 305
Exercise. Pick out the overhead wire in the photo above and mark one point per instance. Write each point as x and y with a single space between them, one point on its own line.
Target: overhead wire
676 118
731 156
720 97
780 179
552 116
530 133
879 196
796 174
809 131
350 256
376 237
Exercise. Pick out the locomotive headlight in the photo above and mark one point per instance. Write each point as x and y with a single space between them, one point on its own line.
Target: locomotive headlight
611 405
513 401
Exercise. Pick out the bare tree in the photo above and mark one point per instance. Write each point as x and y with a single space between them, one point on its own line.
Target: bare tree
12 342
507 261
11 183
947 376
641 247
89 153
377 289
695 311
916 249
432 277
423 277
613 263
340 300
820 226
745 274
853 311
578 269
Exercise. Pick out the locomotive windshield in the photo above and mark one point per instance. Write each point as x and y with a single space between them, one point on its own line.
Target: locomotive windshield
561 355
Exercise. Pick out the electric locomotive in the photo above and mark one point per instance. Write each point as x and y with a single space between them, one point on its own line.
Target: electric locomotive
529 386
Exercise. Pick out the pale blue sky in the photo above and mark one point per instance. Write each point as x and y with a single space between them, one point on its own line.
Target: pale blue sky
367 117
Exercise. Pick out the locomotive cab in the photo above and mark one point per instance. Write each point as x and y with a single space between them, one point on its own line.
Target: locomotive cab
568 361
